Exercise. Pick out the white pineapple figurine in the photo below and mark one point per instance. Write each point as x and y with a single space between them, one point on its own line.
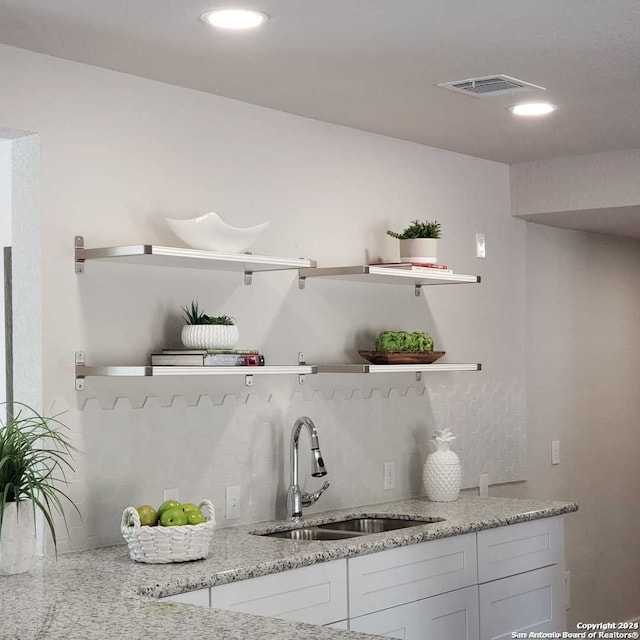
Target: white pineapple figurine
442 474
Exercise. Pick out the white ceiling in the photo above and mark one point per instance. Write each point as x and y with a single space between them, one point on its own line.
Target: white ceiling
374 64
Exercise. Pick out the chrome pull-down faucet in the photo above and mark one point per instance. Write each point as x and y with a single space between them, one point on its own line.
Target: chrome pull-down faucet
296 499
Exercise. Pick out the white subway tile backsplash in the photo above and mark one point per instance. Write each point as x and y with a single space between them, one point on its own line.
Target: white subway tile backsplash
134 449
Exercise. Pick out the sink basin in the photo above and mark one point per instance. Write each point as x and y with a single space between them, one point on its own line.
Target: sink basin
352 528
375 525
311 533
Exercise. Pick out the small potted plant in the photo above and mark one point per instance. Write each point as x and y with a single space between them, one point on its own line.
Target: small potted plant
419 242
208 332
34 459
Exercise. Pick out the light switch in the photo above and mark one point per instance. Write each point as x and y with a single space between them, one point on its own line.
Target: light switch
481 249
233 503
389 475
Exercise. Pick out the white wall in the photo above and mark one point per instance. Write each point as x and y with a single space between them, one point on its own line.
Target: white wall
118 153
5 241
576 183
583 367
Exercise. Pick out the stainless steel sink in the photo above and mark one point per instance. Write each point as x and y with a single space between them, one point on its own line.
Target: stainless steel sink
376 525
311 533
352 528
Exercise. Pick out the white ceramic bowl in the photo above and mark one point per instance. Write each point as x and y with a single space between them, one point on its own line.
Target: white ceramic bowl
211 233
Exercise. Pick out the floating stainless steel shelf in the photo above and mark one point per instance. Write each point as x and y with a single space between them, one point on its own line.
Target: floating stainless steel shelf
395 368
83 371
148 254
385 275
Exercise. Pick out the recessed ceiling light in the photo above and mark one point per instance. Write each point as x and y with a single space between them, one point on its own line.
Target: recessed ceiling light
532 109
234 18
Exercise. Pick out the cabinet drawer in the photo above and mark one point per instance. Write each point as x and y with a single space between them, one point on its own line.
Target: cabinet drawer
315 594
450 616
397 576
528 602
200 598
521 547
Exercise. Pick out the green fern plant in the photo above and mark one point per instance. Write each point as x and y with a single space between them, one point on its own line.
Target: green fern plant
193 315
34 460
419 229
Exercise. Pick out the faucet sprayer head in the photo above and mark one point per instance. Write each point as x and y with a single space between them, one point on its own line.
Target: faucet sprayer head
317 464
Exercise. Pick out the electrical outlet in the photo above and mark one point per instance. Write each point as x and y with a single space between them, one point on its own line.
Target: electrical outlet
567 589
171 494
484 485
555 452
481 248
233 502
389 475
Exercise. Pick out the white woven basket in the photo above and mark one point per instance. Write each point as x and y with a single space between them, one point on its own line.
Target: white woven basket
161 545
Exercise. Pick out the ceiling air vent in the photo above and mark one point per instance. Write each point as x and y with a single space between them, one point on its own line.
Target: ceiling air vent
489 86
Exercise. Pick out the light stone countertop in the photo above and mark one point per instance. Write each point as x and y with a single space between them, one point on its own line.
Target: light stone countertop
102 595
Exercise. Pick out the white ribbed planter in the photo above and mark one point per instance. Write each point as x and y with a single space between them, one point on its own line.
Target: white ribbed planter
419 250
210 336
17 538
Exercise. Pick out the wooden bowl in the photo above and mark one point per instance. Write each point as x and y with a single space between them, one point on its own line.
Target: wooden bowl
402 357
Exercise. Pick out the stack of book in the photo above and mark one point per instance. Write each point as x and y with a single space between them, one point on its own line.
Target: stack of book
422 267
207 358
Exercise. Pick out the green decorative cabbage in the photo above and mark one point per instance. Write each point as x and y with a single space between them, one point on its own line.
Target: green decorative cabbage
404 341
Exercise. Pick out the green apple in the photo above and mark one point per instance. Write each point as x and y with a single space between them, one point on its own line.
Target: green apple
195 517
168 504
148 515
175 517
188 506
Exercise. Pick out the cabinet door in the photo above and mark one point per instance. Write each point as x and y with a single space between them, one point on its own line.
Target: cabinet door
398 576
450 616
528 602
505 551
316 594
200 598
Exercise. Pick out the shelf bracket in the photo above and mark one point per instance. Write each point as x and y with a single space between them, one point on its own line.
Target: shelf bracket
301 283
418 376
78 247
301 378
248 275
248 381
79 360
417 289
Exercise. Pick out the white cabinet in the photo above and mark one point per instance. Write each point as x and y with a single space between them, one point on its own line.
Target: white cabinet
450 616
521 576
316 594
397 576
506 551
527 602
482 586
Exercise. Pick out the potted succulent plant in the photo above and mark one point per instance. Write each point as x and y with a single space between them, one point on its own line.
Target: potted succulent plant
208 332
419 242
34 459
